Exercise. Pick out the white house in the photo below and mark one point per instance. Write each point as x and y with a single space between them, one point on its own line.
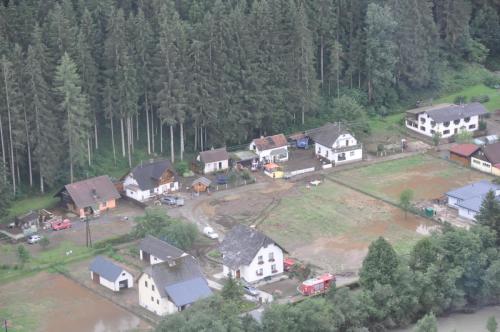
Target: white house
214 160
172 286
468 199
487 159
336 144
445 119
110 275
150 179
270 148
154 251
250 255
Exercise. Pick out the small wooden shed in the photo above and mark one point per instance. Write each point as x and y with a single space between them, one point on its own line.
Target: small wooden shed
201 184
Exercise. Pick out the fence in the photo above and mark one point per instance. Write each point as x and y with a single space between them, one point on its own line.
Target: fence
232 185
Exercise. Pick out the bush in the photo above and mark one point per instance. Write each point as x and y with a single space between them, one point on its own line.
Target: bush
181 167
480 99
114 241
23 254
44 242
245 175
460 100
492 81
482 125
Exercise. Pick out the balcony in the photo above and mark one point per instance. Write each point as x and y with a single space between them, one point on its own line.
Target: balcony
271 260
260 262
347 148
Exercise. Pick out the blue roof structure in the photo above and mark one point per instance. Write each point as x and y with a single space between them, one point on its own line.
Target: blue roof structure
187 292
105 268
471 196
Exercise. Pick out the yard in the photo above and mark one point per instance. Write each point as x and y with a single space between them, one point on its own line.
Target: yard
427 176
331 226
46 302
474 91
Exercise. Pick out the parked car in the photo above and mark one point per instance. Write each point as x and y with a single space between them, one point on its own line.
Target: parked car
209 232
32 239
172 200
250 290
59 225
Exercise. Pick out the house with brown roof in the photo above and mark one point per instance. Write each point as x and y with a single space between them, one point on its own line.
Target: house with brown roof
487 159
461 153
270 148
214 160
90 196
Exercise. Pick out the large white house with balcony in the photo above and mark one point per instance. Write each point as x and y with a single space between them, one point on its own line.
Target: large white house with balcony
250 255
336 144
445 119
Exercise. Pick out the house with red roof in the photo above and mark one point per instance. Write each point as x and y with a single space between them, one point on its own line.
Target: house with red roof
461 153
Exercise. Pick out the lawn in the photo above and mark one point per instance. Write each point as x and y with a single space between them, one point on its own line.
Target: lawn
332 226
427 176
475 90
24 205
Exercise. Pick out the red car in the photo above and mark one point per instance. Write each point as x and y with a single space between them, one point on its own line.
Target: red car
58 225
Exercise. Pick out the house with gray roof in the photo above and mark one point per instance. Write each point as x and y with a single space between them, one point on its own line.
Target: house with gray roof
445 119
335 144
468 199
150 179
487 159
214 160
172 286
250 255
108 274
154 251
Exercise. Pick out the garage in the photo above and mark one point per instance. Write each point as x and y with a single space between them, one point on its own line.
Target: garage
110 275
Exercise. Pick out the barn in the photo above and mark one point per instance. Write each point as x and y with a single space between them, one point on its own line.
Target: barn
461 153
106 273
201 184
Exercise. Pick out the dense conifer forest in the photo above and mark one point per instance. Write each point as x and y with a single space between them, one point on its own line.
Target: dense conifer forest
89 79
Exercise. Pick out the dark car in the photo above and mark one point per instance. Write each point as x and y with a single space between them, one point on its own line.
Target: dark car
173 200
221 179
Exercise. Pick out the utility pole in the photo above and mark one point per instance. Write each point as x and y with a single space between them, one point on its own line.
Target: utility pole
5 325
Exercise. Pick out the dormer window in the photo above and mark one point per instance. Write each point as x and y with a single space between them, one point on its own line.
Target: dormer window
456 121
446 124
467 119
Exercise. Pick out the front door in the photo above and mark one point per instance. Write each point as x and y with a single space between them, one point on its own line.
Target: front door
96 278
220 164
123 284
238 274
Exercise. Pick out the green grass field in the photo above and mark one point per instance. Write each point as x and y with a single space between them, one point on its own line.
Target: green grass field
23 205
476 90
331 225
427 176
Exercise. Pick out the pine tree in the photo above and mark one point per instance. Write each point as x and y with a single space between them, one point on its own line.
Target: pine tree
381 54
5 196
73 106
38 100
380 265
489 214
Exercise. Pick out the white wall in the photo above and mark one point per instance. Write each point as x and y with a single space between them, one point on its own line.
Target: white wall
452 201
466 213
427 129
214 167
481 165
327 153
151 299
266 154
249 272
115 286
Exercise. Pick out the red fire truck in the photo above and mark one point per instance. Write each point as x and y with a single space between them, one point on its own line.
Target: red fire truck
316 285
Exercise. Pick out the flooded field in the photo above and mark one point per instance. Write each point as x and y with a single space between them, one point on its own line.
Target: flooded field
51 302
475 322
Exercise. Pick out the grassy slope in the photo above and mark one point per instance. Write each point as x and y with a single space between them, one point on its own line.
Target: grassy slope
476 90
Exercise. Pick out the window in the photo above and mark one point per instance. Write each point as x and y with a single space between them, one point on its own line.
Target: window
433 131
319 150
472 126
152 299
157 301
260 272
456 121
352 153
346 142
260 259
273 268
422 120
341 156
326 154
446 124
486 165
153 287
475 161
146 284
446 132
467 119
422 128
433 123
123 273
271 256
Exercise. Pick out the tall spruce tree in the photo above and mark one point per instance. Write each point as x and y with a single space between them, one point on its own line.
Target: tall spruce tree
73 107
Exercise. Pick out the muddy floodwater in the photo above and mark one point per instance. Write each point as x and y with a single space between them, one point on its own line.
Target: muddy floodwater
55 303
475 322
